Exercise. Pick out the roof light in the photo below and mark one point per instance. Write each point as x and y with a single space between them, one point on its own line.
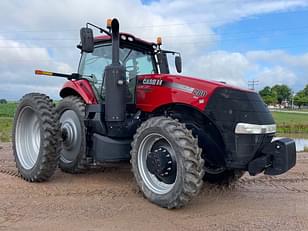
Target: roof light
109 21
131 39
159 41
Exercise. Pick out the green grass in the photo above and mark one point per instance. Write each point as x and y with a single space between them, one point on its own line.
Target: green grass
6 124
291 122
7 110
6 121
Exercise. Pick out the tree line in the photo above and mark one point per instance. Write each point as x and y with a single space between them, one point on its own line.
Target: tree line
279 93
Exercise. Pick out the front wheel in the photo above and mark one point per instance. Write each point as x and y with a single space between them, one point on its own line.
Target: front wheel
166 162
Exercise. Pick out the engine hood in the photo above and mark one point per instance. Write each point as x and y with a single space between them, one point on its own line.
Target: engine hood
201 82
155 90
196 86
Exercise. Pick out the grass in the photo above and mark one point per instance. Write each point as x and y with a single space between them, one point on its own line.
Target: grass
6 124
7 110
6 121
291 122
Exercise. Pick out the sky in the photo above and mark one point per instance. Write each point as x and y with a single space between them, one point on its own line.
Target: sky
235 41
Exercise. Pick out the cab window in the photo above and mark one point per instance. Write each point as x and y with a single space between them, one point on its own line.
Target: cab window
92 65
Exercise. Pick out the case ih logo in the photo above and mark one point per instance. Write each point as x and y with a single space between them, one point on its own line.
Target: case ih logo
154 82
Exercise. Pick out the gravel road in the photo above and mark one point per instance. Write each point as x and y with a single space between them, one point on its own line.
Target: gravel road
109 200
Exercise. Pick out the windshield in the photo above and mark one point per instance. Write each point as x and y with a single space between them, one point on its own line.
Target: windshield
135 62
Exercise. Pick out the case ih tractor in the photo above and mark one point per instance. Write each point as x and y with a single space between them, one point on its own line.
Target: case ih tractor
123 104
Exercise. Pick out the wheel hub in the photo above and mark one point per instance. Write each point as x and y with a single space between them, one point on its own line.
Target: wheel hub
68 134
71 132
159 162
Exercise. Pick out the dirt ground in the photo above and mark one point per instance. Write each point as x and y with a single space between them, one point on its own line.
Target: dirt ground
109 200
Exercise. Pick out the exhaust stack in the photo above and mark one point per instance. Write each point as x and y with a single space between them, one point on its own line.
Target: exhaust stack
115 81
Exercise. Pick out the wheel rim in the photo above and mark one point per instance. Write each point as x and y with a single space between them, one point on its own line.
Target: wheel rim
28 137
150 144
71 135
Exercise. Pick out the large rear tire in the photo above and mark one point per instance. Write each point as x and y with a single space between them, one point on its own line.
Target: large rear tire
166 162
36 138
71 112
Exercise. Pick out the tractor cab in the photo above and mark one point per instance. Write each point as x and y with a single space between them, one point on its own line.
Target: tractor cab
136 56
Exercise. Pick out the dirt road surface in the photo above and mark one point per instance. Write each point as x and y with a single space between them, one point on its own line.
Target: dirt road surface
109 200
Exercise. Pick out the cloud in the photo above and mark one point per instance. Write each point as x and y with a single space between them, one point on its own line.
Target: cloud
269 67
277 75
222 66
219 12
279 56
18 62
43 34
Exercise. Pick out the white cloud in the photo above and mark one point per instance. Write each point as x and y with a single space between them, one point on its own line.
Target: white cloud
237 68
281 57
277 75
219 12
222 66
179 22
18 62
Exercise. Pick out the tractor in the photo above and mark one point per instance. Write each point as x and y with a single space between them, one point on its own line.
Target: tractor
124 105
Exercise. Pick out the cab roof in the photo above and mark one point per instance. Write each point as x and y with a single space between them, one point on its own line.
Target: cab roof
129 38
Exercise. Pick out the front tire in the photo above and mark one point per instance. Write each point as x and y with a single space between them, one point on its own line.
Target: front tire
166 162
71 112
36 138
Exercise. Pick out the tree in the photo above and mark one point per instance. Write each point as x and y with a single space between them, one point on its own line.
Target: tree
268 96
301 98
306 90
3 101
283 92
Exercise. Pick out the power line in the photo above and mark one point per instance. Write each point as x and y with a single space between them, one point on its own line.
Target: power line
176 41
183 44
213 21
202 35
252 84
158 26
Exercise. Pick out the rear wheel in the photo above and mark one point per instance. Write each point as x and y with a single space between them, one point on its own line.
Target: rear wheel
36 137
166 162
71 111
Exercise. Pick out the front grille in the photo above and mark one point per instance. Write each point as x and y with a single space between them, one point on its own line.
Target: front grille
226 108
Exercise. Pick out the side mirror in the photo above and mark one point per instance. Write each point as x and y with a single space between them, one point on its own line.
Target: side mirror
87 40
178 64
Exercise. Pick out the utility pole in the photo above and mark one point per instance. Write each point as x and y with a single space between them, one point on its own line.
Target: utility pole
293 94
252 84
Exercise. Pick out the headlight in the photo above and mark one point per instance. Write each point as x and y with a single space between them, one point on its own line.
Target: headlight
244 128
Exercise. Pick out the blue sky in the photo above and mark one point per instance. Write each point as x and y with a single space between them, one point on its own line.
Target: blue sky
282 30
229 40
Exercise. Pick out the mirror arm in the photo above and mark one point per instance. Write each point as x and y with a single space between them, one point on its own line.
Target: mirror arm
101 30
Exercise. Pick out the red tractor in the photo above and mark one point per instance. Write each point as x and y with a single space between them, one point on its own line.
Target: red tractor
124 105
